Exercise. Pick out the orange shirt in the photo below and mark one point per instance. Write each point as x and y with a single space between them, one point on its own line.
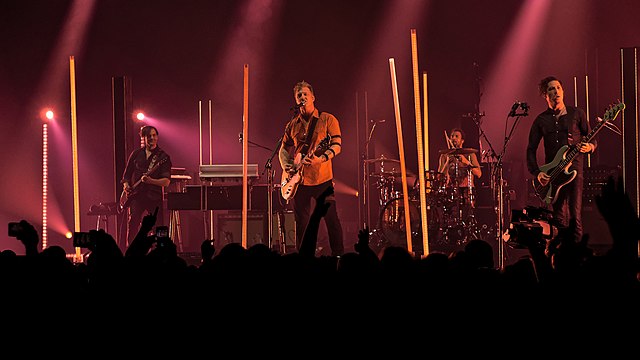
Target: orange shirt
295 138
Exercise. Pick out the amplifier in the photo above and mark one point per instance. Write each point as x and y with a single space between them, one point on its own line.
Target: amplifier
229 228
594 179
199 197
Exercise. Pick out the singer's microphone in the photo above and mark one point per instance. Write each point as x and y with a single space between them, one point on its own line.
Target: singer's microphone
240 137
378 121
297 106
514 108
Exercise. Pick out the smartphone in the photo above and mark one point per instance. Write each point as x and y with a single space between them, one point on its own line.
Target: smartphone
82 239
162 232
15 229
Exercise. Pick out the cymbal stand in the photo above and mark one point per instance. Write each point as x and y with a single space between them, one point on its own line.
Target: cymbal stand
365 178
472 223
496 183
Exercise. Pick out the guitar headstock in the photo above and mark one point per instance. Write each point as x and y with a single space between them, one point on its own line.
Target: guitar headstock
613 111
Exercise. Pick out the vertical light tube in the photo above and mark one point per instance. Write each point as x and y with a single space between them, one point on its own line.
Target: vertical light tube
396 103
45 180
211 222
245 153
586 95
74 151
419 146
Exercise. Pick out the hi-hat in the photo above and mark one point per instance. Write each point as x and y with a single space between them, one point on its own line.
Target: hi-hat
381 159
459 151
387 174
390 174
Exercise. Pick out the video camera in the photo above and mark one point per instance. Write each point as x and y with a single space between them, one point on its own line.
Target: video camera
15 229
83 240
531 226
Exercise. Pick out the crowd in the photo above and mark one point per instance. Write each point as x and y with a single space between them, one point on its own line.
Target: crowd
150 277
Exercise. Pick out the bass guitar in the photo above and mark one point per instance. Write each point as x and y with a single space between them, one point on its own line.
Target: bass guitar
292 178
557 169
126 197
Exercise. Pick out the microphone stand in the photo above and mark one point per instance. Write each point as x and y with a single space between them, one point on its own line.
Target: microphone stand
270 173
497 173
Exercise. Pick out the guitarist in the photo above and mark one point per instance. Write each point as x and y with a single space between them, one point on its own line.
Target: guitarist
560 125
307 128
147 194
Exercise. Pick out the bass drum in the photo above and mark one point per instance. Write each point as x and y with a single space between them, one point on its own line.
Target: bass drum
392 222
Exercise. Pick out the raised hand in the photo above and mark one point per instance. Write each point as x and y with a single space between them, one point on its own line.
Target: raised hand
322 204
618 211
29 237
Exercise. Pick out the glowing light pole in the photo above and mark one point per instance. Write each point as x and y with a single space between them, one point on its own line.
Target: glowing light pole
45 174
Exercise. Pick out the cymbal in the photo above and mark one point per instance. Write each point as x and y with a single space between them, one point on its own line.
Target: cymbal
386 174
392 174
459 151
381 159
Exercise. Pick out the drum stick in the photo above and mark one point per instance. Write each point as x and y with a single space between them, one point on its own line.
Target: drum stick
446 138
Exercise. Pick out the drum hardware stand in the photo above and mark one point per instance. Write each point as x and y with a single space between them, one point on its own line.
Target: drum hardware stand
377 233
497 183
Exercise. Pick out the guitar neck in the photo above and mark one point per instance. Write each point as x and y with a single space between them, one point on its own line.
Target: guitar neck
576 149
154 168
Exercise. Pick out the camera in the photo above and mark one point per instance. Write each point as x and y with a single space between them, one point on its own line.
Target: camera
162 236
530 227
162 232
523 234
15 229
82 240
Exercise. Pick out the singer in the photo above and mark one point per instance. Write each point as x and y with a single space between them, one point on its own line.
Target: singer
557 126
303 156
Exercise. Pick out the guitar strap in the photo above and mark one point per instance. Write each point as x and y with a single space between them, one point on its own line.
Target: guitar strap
152 163
310 129
155 159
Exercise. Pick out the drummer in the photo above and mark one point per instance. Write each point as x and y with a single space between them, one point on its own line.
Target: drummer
458 164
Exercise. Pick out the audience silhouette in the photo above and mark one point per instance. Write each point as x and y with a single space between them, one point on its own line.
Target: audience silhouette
151 275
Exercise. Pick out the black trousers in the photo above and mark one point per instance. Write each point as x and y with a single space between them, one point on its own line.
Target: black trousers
139 207
302 208
568 206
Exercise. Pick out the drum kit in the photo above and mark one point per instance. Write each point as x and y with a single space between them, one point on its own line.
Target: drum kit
450 208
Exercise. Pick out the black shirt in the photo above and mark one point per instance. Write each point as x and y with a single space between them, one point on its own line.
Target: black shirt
557 131
138 165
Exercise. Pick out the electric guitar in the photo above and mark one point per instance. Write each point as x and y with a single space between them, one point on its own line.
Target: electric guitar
292 178
557 169
126 197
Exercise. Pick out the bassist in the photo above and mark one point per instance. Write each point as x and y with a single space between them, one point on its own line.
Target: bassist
307 128
557 126
149 180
